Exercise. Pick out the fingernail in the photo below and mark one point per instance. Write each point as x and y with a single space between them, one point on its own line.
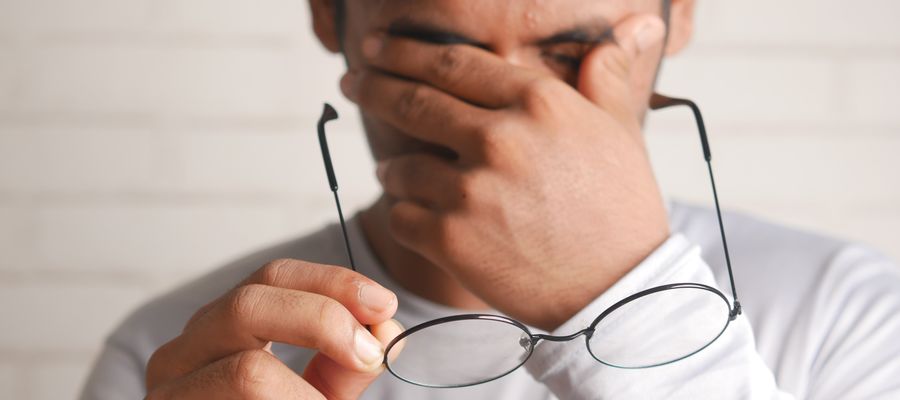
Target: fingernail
348 85
649 34
368 349
381 170
375 298
371 45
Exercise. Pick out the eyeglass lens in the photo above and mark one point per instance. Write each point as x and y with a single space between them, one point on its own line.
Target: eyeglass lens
660 328
460 353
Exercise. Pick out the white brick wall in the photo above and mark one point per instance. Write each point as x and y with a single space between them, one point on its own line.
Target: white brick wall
56 379
9 382
188 238
813 24
27 17
96 78
738 87
15 237
143 142
65 160
7 77
61 316
872 90
233 17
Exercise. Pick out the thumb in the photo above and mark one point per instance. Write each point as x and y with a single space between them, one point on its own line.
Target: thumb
605 77
338 383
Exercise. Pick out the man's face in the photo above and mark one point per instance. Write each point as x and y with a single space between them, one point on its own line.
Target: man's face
550 36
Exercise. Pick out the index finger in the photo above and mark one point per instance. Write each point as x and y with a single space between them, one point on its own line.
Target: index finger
251 316
368 301
468 72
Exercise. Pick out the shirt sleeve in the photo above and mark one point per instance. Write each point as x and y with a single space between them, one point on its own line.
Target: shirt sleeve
728 368
852 334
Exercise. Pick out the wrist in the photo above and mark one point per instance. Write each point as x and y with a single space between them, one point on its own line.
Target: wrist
586 284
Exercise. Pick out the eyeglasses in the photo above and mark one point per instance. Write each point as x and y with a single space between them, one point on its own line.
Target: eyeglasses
657 331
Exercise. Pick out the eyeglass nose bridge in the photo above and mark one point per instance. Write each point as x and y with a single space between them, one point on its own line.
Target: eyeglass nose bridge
587 332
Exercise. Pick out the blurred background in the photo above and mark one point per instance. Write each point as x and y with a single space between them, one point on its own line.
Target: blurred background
144 142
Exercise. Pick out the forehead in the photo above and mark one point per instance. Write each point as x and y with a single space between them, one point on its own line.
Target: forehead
490 20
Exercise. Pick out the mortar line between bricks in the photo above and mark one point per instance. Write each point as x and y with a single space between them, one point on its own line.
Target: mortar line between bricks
173 40
294 125
45 356
67 276
799 50
161 197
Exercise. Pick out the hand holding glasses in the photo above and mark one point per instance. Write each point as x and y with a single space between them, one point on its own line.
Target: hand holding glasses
668 322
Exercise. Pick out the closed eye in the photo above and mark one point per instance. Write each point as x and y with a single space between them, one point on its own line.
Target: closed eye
569 61
565 58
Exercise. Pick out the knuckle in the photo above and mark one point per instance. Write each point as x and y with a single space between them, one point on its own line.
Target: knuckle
364 87
447 65
410 228
330 313
199 314
249 372
444 240
494 143
540 93
413 102
406 171
340 278
244 303
348 279
498 129
159 360
272 273
405 222
332 318
160 367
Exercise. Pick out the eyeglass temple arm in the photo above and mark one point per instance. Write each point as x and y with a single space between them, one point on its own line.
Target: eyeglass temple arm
658 101
329 114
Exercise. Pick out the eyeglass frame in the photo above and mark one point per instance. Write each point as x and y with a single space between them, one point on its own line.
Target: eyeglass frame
657 101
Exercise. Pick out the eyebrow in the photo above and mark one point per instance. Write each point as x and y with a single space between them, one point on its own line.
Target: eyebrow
408 28
581 34
597 31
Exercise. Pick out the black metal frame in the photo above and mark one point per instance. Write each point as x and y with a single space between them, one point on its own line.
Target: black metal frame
461 317
535 338
657 102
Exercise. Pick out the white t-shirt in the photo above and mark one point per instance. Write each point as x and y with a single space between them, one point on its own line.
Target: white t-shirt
821 320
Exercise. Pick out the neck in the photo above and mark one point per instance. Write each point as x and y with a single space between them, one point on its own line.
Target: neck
411 270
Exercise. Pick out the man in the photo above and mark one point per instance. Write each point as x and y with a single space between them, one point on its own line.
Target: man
516 181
